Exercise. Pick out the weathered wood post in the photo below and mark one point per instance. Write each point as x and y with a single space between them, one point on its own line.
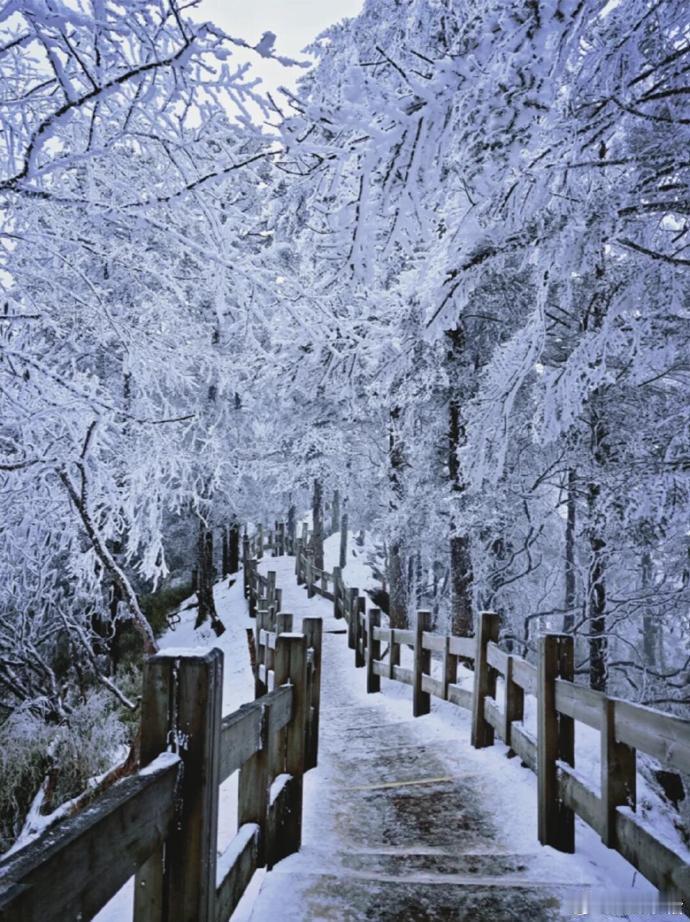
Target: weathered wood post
352 609
343 541
253 787
421 700
337 596
259 541
262 659
514 703
224 552
245 563
449 675
312 628
271 590
484 680
182 704
298 562
373 650
291 666
618 774
360 630
283 623
309 576
555 740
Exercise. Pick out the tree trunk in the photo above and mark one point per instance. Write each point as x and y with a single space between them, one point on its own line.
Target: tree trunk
205 576
234 547
335 513
317 527
396 556
224 554
460 549
649 622
596 583
570 599
291 527
397 587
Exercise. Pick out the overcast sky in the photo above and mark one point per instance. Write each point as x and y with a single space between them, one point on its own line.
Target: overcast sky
295 22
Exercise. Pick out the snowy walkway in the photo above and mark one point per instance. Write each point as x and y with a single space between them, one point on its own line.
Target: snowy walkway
405 821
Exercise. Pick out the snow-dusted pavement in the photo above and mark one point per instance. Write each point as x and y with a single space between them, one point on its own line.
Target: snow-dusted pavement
405 821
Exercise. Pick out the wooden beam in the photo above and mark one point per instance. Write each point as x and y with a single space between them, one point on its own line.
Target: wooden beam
74 868
421 700
484 679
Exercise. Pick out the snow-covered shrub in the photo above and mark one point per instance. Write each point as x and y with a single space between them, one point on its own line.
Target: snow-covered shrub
85 745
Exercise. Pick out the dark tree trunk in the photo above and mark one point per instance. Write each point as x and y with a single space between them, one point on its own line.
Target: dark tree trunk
397 587
205 576
291 528
224 554
649 622
596 583
460 548
396 556
335 513
234 547
570 598
317 529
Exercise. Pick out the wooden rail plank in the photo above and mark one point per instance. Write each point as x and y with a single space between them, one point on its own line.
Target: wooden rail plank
68 873
663 736
462 646
525 675
460 696
234 870
493 715
432 686
379 668
578 702
525 745
382 633
241 731
579 797
434 642
403 636
657 861
402 674
496 658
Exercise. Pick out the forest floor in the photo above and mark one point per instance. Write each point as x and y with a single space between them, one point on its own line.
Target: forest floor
403 820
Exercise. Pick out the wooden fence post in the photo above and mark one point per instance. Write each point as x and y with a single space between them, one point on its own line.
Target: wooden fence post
309 576
283 623
337 598
449 675
312 628
618 774
260 542
373 650
360 630
484 680
291 666
421 700
298 562
252 798
352 609
183 701
555 740
245 561
343 541
514 703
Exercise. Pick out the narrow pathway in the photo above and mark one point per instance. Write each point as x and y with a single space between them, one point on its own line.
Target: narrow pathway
404 820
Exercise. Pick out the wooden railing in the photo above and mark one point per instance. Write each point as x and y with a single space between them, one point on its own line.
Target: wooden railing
161 824
624 727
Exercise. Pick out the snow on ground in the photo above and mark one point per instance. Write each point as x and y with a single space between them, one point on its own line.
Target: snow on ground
500 785
238 688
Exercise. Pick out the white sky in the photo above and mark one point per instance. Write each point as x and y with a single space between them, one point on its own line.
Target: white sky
295 22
